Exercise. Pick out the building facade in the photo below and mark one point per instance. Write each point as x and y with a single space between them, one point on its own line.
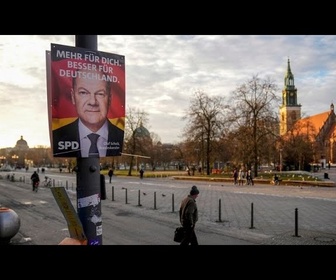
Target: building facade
319 128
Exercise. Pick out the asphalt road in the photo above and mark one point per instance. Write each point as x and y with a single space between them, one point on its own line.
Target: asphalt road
42 222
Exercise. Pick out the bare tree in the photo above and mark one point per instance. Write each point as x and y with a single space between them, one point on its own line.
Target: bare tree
253 117
133 144
299 147
155 152
205 120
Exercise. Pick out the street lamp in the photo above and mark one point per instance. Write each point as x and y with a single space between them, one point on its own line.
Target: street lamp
197 155
15 157
2 158
280 167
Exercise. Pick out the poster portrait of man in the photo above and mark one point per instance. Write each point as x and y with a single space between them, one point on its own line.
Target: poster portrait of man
88 102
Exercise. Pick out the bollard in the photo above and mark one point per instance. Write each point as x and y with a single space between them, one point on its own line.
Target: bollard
219 211
172 202
102 187
296 223
251 216
154 200
112 193
125 196
139 204
9 224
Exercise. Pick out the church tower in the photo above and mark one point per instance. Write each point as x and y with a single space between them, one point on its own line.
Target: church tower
290 110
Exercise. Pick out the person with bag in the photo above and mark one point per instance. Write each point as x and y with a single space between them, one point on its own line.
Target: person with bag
188 217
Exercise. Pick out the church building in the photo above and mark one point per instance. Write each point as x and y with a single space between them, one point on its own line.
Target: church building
319 128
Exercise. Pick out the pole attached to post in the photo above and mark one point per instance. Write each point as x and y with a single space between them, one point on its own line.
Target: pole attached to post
88 178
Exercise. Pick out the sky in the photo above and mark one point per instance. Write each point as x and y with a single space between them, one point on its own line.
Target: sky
162 74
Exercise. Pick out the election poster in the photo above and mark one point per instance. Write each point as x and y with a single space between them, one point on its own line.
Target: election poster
86 102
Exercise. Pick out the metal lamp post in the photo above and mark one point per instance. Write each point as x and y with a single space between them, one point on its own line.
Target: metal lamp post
280 167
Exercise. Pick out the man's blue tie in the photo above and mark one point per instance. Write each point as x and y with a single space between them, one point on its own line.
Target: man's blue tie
93 152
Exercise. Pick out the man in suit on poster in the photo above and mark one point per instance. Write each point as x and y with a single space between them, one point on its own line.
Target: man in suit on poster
92 99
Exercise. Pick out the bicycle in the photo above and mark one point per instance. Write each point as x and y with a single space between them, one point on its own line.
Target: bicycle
276 181
36 185
47 182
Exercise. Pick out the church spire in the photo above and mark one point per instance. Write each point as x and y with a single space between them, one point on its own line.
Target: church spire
290 110
289 77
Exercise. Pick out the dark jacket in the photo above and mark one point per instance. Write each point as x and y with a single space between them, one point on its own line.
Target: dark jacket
35 177
70 132
188 212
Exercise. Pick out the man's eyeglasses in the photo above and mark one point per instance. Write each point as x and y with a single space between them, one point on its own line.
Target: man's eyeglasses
85 94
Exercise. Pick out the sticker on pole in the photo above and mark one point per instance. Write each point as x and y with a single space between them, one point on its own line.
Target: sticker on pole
74 224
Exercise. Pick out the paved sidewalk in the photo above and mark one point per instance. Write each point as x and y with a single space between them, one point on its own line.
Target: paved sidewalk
273 215
311 237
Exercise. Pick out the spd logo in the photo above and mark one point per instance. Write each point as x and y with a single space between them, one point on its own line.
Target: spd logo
68 145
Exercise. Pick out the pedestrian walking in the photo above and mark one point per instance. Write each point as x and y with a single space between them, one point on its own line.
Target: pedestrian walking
235 176
110 174
35 178
249 178
241 177
188 217
141 173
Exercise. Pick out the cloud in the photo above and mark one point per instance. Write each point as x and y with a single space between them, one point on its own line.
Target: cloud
162 74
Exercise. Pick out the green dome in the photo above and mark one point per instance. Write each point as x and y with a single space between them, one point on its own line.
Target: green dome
141 131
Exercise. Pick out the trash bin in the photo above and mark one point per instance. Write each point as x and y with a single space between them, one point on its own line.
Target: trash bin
326 176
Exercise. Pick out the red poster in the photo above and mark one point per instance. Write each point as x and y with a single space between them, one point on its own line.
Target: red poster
86 102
